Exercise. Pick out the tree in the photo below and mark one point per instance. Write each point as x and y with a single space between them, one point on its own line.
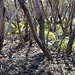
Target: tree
18 21
2 22
42 46
40 20
69 45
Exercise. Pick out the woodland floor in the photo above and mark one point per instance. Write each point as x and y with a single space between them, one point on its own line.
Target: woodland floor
25 60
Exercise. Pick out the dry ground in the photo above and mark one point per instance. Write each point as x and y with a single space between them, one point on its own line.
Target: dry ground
18 59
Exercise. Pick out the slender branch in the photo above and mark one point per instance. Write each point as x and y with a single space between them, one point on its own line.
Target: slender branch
9 25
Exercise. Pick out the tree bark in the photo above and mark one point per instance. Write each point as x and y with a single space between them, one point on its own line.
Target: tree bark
40 20
69 45
9 25
26 37
42 46
26 24
18 22
70 17
2 22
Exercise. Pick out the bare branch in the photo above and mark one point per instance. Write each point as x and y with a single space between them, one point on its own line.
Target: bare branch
9 25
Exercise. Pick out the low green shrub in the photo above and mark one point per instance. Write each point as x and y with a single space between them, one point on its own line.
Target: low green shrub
51 35
58 27
14 29
64 45
73 46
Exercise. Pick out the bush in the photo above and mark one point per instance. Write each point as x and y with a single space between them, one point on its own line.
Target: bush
46 26
58 27
73 46
64 45
14 29
6 24
51 35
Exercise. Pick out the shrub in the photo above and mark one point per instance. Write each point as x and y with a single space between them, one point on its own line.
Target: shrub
73 46
12 30
58 27
64 45
51 35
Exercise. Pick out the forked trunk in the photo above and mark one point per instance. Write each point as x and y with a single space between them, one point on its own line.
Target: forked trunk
42 46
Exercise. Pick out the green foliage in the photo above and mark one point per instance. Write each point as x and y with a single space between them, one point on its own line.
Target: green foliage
51 35
73 46
58 27
6 24
60 1
59 32
74 21
72 73
64 45
46 26
37 28
14 29
21 26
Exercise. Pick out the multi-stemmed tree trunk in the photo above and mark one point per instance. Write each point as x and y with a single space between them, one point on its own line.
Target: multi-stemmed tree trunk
70 18
68 21
40 20
2 14
42 46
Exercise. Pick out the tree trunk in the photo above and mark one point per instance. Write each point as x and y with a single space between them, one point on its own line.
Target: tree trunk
18 22
69 45
71 26
40 20
9 25
26 38
42 46
45 15
70 17
2 15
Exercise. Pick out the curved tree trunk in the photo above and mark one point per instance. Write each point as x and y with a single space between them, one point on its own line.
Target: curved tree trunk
2 14
42 46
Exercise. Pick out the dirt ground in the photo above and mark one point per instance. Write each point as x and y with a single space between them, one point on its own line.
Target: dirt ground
20 59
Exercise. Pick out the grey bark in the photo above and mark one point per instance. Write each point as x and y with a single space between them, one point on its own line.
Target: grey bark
40 20
9 25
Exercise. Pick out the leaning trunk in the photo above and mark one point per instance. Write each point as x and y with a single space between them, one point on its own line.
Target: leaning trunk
42 46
